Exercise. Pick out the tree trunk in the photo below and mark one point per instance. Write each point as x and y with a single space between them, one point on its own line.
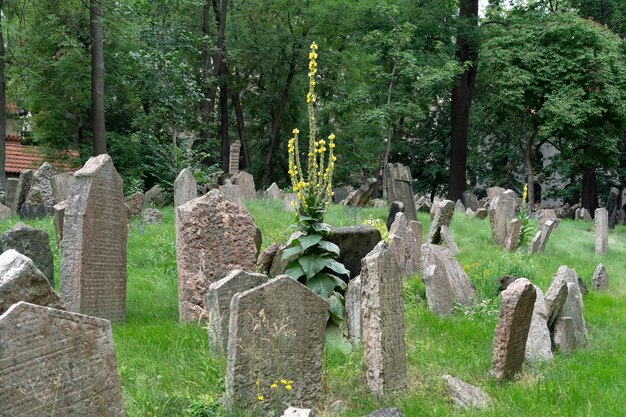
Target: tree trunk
530 180
220 74
207 105
224 127
590 191
462 101
241 131
389 129
97 78
276 117
3 109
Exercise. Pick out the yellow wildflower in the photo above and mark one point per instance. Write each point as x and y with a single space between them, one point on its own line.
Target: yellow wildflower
288 387
273 386
260 397
283 381
313 46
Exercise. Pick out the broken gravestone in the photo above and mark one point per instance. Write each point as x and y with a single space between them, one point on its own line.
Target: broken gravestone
600 278
400 188
185 187
33 243
39 201
465 395
442 217
411 234
539 345
23 187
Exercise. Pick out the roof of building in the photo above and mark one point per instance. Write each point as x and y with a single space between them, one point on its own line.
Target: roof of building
20 157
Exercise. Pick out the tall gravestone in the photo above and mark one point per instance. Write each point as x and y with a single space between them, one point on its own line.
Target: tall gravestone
55 363
412 237
574 303
382 315
501 212
22 190
214 236
245 181
58 216
185 187
602 230
539 345
276 332
612 206
443 212
509 342
39 201
400 188
33 243
353 310
233 163
95 236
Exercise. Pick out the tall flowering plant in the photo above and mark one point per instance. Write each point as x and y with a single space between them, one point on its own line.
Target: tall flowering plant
526 230
316 264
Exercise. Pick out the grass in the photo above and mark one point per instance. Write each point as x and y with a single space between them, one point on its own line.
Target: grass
166 368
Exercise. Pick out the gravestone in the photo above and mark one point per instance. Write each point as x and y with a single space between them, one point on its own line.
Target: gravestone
156 197
134 204
152 216
434 207
395 208
512 239
465 395
539 345
442 217
245 182
233 192
23 188
387 412
400 188
482 213
447 284
214 236
584 213
378 203
276 331
273 192
354 242
57 217
39 201
58 364
600 278
555 299
538 245
10 190
573 303
217 303
382 315
545 215
290 202
360 197
459 207
469 200
612 206
501 212
422 203
412 244
398 251
185 187
5 212
602 231
341 193
33 243
266 258
233 163
95 235
469 213
61 186
564 335
494 192
448 240
20 280
353 310
509 342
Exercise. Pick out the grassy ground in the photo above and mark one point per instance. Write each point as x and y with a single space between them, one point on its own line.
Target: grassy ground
166 369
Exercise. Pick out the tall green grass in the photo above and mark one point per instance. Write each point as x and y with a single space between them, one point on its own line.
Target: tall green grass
167 370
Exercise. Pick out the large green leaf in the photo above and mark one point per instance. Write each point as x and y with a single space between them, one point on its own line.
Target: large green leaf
338 282
337 267
308 241
336 308
313 263
329 247
295 270
289 252
322 284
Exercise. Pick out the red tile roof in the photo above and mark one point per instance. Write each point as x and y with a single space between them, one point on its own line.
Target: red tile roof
20 157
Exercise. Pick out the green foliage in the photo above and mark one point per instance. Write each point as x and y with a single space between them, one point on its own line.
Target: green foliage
526 230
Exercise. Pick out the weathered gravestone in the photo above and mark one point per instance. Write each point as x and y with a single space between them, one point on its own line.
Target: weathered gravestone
539 242
353 310
602 230
564 335
276 332
61 186
245 182
217 303
354 242
539 345
482 213
459 207
152 216
273 192
39 201
465 395
501 212
509 342
400 188
55 363
5 212
11 190
612 206
23 187
134 204
233 163
574 303
382 315
493 192
33 243
185 187
266 258
422 203
445 280
555 299
360 197
469 200
290 202
448 240
95 235
600 278
58 216
156 196
411 234
442 217
233 192
545 215
395 208
512 238
214 236
20 280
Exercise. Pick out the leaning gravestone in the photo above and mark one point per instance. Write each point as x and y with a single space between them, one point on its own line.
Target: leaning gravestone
185 187
58 364
61 186
395 208
400 188
555 299
20 280
233 163
33 243
276 332
214 236
448 240
469 200
39 201
382 318
512 238
360 197
539 242
5 212
156 196
353 310
217 302
273 192
611 207
574 303
602 231
539 345
501 212
465 395
58 217
509 342
95 235
134 204
600 278
23 187
405 229
443 213
245 182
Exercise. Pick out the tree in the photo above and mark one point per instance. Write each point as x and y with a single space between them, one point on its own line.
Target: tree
3 104
97 78
467 54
